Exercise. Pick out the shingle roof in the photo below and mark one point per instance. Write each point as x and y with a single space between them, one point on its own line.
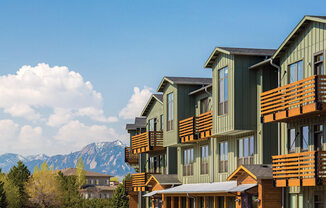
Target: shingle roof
159 97
72 171
237 51
321 17
140 122
169 179
262 171
150 102
183 81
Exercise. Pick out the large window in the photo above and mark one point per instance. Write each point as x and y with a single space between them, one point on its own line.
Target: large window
204 160
304 140
223 164
246 150
204 105
291 140
157 164
296 71
170 112
319 137
319 63
151 125
223 91
188 161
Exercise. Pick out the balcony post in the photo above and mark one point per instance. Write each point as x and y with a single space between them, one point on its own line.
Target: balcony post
316 168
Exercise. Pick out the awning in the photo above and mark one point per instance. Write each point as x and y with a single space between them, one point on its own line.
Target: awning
198 188
243 187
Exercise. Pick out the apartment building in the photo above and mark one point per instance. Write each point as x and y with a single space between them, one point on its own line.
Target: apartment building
250 136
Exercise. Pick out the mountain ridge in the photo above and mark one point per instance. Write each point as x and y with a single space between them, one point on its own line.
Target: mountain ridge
102 157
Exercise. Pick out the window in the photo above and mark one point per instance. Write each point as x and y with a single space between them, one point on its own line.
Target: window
296 71
204 105
170 112
318 137
188 160
246 150
204 160
161 120
156 163
223 91
151 125
223 165
304 140
291 140
319 63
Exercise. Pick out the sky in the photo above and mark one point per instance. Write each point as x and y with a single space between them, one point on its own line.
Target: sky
75 72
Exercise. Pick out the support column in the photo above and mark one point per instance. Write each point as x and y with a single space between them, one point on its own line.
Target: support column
153 200
172 201
180 202
215 202
197 201
225 202
205 201
187 202
164 198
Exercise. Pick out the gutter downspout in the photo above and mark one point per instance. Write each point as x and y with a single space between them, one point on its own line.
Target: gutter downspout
211 180
278 124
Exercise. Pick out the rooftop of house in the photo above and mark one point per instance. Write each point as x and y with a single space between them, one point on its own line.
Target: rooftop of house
237 51
140 122
72 171
171 179
183 81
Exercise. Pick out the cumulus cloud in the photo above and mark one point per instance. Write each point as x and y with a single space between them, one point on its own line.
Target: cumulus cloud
136 103
33 88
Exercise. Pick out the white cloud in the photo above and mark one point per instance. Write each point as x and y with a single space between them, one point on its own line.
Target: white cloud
56 88
136 103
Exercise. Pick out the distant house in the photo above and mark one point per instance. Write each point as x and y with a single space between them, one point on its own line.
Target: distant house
97 184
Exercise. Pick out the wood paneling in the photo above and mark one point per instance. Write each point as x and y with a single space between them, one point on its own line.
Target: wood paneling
147 141
130 158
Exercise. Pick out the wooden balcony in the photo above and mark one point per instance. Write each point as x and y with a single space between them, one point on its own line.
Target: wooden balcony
300 169
147 141
128 188
139 180
302 98
197 128
130 158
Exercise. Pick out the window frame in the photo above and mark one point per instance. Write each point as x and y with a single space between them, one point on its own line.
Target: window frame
318 62
296 71
170 111
223 82
302 139
204 164
291 146
188 161
204 105
223 156
247 150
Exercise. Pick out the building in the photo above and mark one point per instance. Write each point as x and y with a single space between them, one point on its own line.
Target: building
97 184
250 136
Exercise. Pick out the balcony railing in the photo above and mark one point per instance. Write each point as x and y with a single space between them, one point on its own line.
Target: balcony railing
194 128
128 188
300 98
148 141
130 158
139 180
299 169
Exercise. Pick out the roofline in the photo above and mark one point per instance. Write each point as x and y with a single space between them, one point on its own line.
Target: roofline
237 170
148 102
305 18
213 53
161 83
200 89
150 178
260 64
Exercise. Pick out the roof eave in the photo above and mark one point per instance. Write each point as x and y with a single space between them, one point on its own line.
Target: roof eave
215 51
159 89
148 104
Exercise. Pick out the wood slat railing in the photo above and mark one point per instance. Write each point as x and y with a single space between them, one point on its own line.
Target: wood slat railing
130 157
194 128
147 141
128 187
299 169
139 180
297 98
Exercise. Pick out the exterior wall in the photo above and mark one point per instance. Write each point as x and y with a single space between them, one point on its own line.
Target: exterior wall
198 97
223 123
100 181
170 137
156 111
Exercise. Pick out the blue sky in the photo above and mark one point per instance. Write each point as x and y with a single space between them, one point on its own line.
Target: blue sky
119 45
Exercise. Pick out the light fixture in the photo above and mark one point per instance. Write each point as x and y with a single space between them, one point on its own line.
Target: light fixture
237 200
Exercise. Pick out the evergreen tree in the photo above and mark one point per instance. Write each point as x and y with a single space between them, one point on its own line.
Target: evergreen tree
80 173
69 186
3 199
12 192
19 175
119 198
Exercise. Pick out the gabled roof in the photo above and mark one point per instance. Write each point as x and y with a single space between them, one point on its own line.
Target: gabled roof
296 31
140 122
72 171
150 102
257 172
170 179
237 51
183 81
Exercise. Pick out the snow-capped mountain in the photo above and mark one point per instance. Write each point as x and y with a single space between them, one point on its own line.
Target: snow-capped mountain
103 157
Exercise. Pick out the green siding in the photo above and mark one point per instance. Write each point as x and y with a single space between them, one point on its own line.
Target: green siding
156 111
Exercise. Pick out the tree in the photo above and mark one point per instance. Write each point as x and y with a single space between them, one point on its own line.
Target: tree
119 198
12 192
80 173
3 199
69 187
19 175
44 188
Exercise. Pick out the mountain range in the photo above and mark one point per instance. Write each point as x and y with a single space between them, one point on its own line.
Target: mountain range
103 157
